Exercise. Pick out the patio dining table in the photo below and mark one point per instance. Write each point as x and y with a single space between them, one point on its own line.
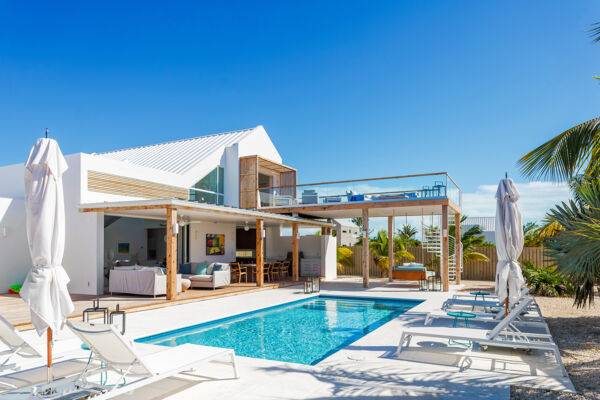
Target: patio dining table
249 268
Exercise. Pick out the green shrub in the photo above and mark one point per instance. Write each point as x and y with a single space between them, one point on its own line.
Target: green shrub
546 281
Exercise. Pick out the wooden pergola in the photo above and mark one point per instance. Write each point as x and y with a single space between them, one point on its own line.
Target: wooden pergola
389 209
172 209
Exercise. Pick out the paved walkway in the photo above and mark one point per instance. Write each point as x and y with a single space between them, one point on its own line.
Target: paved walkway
16 311
366 369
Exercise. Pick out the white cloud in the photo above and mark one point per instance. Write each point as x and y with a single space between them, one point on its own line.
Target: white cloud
536 199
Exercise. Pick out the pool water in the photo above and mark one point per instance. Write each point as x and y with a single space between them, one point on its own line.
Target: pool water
305 331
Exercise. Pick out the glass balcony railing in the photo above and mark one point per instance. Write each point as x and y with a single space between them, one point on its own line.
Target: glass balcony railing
410 187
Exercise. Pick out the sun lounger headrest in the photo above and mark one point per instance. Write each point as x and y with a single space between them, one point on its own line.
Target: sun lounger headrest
108 344
11 338
515 312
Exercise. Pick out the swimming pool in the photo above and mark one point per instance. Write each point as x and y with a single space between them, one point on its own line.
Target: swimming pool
304 331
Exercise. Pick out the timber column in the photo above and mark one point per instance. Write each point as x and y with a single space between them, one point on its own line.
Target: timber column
457 247
390 247
295 258
260 256
365 249
445 251
171 254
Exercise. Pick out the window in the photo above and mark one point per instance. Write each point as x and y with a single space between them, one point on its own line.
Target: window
210 189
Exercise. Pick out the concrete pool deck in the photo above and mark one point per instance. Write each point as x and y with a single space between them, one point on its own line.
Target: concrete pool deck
365 369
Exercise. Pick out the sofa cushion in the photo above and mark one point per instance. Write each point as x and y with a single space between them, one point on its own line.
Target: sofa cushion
221 267
201 278
185 268
209 270
201 269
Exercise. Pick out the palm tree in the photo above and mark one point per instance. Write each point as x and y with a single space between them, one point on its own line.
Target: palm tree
576 249
575 151
407 234
379 248
531 235
471 238
344 258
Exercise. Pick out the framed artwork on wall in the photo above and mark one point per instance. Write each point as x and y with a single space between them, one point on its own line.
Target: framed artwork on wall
123 248
215 244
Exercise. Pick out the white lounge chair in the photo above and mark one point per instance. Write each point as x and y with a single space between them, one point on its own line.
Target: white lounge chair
490 297
16 344
118 355
528 316
504 334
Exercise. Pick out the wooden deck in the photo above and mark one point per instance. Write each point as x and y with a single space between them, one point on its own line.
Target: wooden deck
16 311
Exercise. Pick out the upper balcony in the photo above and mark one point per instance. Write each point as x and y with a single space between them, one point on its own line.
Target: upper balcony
408 188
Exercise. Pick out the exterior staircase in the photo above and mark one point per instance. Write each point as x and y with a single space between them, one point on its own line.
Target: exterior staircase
432 243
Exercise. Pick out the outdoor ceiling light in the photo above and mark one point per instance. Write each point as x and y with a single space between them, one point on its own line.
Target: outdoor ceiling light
246 227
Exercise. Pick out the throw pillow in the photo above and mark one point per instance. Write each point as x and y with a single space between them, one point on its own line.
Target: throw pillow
185 269
201 269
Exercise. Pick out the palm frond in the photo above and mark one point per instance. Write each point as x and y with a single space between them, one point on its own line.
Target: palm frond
575 250
564 156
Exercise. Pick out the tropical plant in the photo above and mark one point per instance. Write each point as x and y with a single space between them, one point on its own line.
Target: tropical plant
545 281
407 235
471 238
358 221
573 152
576 249
344 259
379 248
531 235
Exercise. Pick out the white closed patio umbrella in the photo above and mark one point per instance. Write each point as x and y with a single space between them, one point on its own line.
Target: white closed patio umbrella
45 287
509 243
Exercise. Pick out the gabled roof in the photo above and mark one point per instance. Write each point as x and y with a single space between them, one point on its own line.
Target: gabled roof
178 156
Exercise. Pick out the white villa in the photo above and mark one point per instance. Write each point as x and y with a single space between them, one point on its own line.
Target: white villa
203 173
162 204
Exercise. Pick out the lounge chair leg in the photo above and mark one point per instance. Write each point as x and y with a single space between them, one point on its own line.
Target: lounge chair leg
234 365
559 361
402 339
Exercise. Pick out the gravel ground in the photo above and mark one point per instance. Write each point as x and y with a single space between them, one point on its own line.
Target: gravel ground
577 334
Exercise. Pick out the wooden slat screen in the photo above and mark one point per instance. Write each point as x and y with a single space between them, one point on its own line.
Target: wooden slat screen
473 270
248 182
120 185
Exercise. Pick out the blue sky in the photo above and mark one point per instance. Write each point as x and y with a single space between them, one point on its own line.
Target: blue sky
345 89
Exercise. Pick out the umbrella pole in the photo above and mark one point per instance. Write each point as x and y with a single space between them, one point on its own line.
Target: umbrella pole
506 301
49 351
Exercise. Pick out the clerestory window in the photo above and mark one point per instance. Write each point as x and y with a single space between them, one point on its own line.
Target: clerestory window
210 189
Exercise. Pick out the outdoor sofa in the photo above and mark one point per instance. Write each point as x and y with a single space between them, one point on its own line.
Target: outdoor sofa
206 275
140 280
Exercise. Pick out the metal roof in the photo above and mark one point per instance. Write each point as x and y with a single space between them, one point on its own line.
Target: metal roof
178 156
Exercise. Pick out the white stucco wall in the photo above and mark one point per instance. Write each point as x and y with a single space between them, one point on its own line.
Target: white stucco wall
259 143
12 181
198 233
15 260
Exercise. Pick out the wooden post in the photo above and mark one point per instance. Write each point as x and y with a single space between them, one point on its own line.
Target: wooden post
390 247
365 249
171 254
295 259
457 247
445 250
260 257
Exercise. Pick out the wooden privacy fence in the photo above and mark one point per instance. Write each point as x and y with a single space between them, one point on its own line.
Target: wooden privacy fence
472 270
